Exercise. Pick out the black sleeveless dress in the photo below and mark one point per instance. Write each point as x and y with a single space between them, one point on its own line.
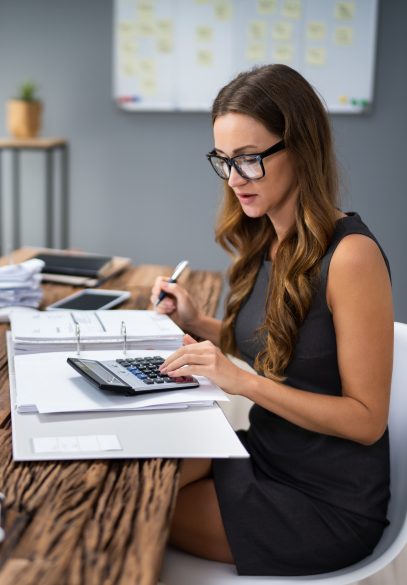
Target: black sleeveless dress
305 502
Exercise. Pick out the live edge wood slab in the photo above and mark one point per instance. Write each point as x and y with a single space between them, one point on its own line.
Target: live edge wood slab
90 522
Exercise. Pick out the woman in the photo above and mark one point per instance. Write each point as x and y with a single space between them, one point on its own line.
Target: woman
310 308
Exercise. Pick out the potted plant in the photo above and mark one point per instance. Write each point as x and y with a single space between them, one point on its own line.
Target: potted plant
24 112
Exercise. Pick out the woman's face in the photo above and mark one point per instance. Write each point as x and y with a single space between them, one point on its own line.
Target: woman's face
276 193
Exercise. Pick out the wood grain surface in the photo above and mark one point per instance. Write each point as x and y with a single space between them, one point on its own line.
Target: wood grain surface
90 522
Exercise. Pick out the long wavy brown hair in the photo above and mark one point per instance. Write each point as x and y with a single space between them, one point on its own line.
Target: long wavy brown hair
287 105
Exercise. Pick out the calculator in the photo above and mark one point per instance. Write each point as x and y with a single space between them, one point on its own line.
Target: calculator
130 376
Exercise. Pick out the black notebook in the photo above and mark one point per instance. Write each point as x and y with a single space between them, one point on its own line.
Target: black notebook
91 265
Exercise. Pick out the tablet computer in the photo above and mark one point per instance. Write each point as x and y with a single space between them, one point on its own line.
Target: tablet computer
91 300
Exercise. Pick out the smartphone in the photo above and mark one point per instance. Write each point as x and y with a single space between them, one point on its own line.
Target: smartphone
90 299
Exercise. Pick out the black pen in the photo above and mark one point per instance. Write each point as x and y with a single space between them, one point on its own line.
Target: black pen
177 273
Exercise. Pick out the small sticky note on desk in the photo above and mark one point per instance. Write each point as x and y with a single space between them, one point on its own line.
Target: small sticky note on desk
76 444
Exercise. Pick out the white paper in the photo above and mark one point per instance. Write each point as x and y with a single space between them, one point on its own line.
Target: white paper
46 383
76 444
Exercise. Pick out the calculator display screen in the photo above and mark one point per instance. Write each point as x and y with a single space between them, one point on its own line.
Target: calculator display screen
92 368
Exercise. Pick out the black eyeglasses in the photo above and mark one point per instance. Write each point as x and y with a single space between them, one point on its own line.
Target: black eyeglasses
249 166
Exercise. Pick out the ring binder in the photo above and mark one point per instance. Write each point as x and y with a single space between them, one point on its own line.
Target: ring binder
78 338
45 331
124 335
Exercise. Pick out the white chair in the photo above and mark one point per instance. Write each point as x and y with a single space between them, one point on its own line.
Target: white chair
183 569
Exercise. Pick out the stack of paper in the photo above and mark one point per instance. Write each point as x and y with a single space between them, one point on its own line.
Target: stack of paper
41 341
46 331
45 383
20 284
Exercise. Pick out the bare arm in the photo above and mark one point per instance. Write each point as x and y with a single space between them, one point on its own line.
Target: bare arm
181 308
359 295
206 328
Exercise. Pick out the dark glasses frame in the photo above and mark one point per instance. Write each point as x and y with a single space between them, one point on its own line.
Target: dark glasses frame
232 162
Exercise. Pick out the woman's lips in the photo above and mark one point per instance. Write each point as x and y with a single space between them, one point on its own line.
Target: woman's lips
246 197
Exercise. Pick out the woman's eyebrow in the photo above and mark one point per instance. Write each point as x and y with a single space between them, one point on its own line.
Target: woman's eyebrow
236 151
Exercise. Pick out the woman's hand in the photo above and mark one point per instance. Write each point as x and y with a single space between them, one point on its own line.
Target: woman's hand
204 359
177 304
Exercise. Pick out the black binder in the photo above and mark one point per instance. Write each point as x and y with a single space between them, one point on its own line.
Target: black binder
89 265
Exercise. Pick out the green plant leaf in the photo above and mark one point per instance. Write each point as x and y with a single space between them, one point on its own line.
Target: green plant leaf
28 91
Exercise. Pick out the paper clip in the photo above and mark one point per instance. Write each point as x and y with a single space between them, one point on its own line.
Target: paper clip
2 531
124 335
78 338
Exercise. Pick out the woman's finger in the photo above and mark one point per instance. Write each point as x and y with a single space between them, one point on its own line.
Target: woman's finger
185 360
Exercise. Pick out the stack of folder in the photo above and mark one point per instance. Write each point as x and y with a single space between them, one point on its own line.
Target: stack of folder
43 382
47 331
78 268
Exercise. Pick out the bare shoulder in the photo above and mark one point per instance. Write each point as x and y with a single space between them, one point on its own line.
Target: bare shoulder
357 252
357 265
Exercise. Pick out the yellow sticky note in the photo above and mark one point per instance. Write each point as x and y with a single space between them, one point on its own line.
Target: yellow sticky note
164 26
223 10
204 57
257 29
146 28
292 9
256 52
343 35
165 44
147 67
315 56
129 68
266 6
283 53
126 27
148 86
204 33
344 10
145 11
343 100
128 46
282 31
316 30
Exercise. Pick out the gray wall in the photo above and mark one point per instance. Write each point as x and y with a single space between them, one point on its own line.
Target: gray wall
152 166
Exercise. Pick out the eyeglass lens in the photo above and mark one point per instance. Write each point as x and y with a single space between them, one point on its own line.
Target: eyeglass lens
249 167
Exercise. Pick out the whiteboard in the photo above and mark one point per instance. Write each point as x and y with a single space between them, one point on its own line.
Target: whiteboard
177 54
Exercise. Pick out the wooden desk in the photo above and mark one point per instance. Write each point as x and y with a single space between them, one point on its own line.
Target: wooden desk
90 522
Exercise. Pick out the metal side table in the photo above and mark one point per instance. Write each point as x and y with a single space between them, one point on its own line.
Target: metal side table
49 147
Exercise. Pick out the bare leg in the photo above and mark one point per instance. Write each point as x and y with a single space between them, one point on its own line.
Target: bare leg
193 470
197 525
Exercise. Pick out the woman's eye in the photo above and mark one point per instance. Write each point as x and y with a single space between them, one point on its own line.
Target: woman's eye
247 160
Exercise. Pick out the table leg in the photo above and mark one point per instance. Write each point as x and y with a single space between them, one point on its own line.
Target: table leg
15 164
1 201
64 197
49 198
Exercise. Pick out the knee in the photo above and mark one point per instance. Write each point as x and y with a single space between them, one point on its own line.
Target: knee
193 470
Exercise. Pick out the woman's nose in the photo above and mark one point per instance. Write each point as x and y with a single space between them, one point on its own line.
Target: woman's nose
235 179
